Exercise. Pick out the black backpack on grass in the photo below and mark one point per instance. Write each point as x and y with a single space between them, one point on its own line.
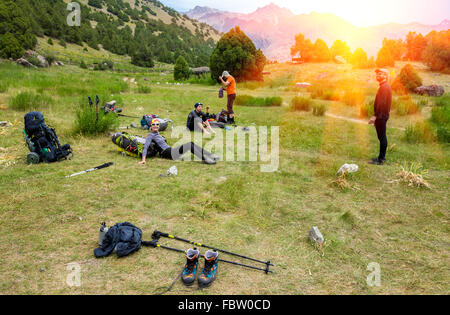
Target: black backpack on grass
42 141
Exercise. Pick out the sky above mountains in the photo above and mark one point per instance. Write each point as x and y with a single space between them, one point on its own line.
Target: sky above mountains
360 13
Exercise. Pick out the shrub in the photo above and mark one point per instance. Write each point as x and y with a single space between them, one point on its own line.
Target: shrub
367 110
408 80
273 101
50 59
143 89
86 121
419 133
83 65
407 107
299 103
34 61
444 100
247 100
27 101
440 116
319 109
353 97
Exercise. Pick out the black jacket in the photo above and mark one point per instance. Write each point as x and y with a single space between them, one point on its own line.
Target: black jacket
125 238
383 101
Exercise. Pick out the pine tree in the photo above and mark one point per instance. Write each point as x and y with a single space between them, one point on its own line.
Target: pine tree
181 70
236 53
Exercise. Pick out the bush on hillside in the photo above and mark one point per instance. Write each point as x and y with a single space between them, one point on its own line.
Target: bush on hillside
86 122
247 100
299 103
407 81
419 132
28 101
319 109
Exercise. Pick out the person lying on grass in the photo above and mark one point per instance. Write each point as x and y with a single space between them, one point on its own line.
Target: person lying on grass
166 152
198 120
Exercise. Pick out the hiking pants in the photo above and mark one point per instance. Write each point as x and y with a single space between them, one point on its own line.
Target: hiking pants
230 103
380 126
178 152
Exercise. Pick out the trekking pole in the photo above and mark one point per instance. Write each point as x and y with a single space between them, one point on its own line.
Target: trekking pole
90 102
158 234
155 244
97 100
92 169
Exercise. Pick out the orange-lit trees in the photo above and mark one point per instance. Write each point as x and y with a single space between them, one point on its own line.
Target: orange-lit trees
385 58
340 48
321 52
304 47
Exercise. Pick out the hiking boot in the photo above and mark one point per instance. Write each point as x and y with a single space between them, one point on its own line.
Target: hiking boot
209 272
209 161
190 270
214 157
377 161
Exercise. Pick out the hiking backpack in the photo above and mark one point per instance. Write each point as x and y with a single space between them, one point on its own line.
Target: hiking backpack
42 141
146 122
133 145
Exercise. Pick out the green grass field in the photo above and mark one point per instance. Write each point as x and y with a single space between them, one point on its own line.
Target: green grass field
48 222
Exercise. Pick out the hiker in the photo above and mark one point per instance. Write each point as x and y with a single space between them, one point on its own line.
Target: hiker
230 86
382 108
197 120
166 152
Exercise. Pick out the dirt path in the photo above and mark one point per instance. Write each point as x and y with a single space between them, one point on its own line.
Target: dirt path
358 121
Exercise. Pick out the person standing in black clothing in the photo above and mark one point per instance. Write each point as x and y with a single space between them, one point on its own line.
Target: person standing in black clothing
382 108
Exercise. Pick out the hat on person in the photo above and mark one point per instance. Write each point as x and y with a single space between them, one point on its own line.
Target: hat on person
380 70
225 74
154 121
198 104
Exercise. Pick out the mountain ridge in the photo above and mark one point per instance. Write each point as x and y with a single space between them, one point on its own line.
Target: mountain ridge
273 28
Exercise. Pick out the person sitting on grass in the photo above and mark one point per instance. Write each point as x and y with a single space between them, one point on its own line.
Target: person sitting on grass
197 120
166 152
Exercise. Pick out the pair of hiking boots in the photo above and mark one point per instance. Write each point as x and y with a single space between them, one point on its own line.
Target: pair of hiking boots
209 272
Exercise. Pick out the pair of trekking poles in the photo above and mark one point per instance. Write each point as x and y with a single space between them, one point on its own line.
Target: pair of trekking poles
157 235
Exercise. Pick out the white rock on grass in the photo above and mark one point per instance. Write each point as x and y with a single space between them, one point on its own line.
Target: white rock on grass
315 236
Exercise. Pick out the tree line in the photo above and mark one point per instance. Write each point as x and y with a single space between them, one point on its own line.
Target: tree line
432 49
22 21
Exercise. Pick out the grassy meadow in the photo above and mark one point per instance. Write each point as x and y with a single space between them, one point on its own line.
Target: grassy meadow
49 222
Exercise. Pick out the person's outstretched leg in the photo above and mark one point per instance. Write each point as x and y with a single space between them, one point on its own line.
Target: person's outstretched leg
178 152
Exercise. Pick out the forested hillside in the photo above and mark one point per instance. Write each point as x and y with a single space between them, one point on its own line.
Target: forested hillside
125 27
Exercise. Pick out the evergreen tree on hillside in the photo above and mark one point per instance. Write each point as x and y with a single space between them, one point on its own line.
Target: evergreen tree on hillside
236 53
181 70
143 58
10 47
